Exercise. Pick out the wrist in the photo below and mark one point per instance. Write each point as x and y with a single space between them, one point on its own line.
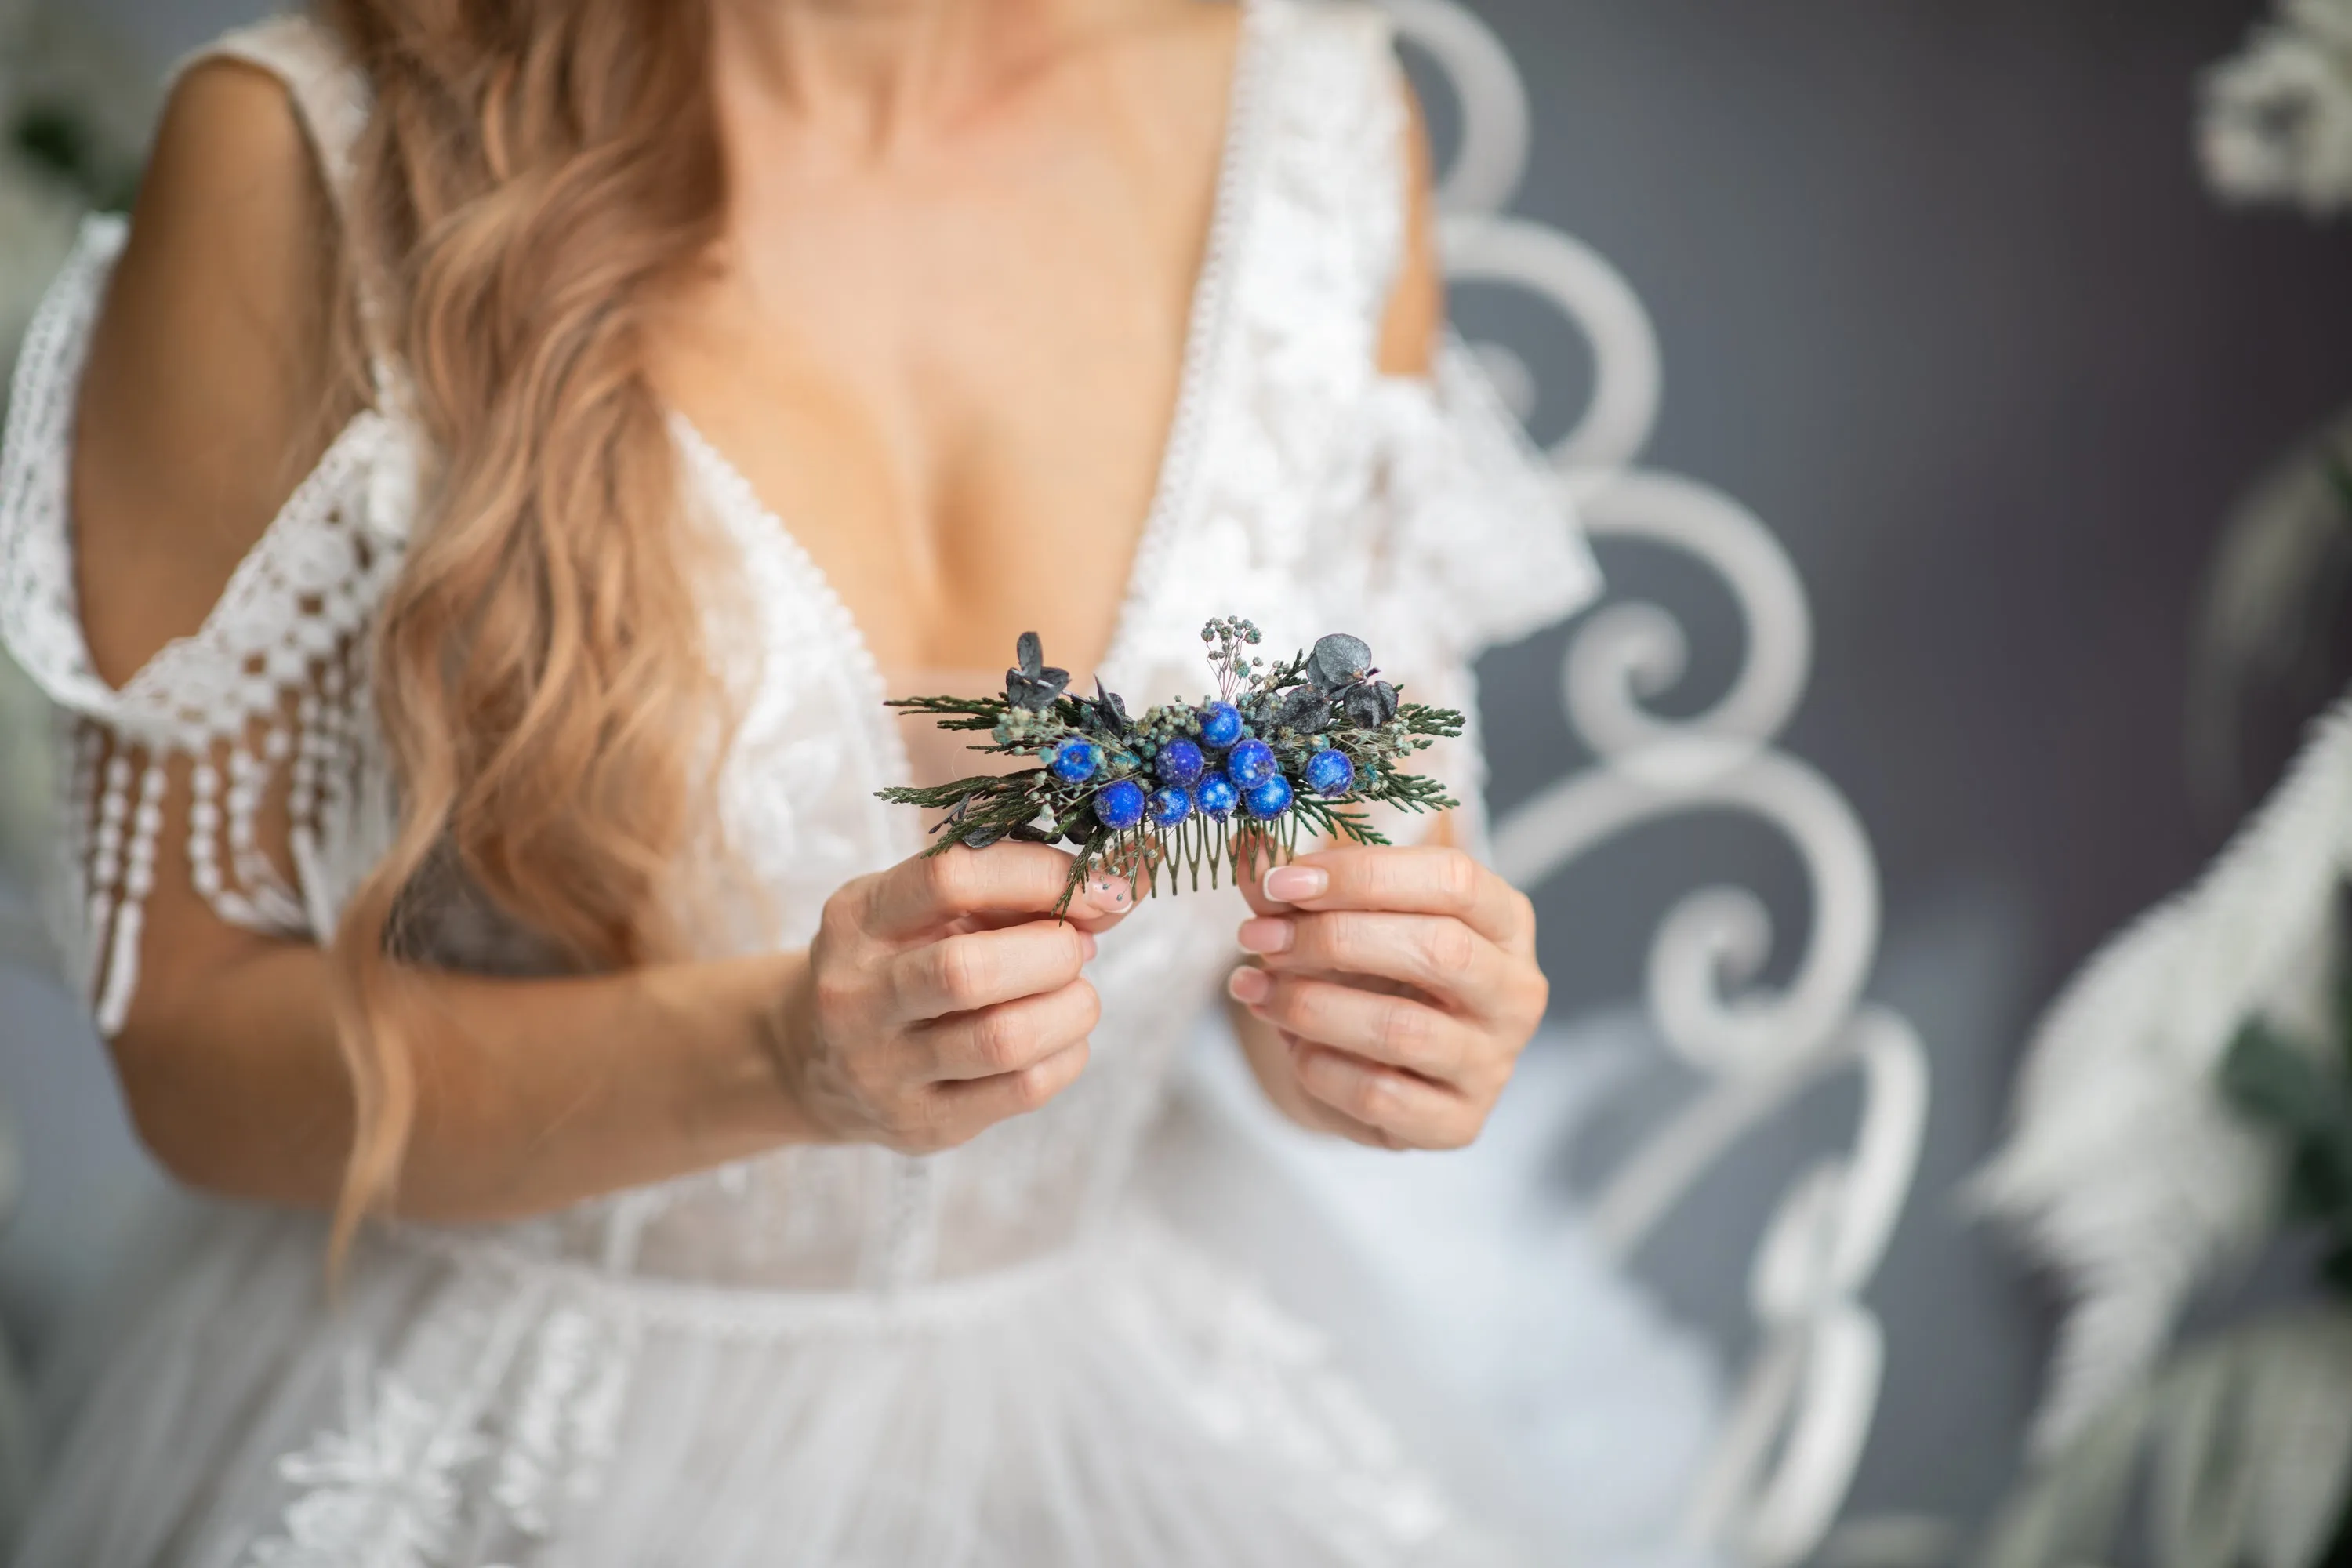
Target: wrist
783 1026
749 1096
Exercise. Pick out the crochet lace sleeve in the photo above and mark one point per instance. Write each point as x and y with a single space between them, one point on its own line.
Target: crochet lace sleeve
260 716
1482 544
1467 540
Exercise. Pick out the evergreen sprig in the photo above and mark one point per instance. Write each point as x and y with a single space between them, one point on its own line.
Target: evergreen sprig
1284 751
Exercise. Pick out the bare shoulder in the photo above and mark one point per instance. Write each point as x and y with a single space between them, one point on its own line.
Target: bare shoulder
1174 62
1416 308
1199 37
205 398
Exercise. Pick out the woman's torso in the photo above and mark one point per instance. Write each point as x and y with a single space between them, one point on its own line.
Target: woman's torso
1290 481
1286 479
1190 486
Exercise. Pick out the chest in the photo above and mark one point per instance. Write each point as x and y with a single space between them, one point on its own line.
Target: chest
954 381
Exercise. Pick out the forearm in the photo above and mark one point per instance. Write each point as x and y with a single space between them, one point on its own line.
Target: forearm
531 1094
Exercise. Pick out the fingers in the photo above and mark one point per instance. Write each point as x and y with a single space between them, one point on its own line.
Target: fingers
1400 880
965 973
1435 953
932 891
978 1104
1322 1117
1010 1037
1407 1112
1395 1031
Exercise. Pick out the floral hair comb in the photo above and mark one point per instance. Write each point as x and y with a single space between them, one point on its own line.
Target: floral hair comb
1280 750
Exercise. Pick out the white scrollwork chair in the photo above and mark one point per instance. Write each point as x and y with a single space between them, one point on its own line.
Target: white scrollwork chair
1786 1457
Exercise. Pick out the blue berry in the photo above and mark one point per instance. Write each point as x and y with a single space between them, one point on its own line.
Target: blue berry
1251 765
1170 805
1216 797
1221 724
1075 761
1330 772
1181 764
1269 798
1120 805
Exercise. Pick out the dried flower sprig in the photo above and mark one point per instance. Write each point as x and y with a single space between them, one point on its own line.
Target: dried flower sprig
1282 750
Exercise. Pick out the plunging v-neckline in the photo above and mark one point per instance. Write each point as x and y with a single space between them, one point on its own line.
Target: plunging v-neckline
1204 331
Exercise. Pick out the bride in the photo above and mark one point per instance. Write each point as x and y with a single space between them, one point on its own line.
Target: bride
470 522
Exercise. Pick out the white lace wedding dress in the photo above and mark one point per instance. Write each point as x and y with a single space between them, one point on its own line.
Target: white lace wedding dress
990 1357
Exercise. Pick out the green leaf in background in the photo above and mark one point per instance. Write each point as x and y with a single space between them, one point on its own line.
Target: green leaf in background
53 137
2281 1086
2339 479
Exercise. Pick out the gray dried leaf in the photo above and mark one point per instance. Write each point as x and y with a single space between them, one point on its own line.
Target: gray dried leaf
1304 710
1339 661
1369 704
1109 711
1032 684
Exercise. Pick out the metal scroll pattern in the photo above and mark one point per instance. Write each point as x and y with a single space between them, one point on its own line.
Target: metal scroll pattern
1788 1453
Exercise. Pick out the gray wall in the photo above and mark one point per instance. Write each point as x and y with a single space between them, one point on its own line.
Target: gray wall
1942 299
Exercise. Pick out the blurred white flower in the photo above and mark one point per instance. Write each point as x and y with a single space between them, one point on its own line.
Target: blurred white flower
2277 118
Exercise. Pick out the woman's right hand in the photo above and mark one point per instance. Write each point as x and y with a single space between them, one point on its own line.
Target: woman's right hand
942 996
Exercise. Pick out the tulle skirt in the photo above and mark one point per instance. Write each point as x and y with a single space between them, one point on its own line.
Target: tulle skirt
1128 1402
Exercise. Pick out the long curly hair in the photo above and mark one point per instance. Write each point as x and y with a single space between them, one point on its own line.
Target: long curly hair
532 173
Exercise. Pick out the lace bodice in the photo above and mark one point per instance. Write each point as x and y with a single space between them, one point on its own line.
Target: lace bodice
1300 488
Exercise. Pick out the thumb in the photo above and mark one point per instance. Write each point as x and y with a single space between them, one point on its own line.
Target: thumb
1004 884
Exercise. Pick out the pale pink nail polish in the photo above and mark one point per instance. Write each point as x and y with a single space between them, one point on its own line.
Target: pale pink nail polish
1289 884
1249 986
1264 935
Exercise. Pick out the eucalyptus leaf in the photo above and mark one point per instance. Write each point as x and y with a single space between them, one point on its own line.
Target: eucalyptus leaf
1339 661
1370 704
1031 684
1304 710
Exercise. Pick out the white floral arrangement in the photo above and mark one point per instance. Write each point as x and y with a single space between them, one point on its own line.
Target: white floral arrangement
2278 118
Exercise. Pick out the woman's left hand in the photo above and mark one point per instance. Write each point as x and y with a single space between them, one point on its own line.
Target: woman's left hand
1403 983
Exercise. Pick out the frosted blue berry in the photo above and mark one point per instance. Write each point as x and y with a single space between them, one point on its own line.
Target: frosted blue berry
1170 805
1330 772
1075 761
1251 765
1268 798
1216 797
1120 805
1181 764
1221 724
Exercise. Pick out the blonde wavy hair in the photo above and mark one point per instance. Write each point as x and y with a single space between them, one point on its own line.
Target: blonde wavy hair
532 172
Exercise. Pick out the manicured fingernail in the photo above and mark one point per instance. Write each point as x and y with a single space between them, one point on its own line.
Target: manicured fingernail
1267 936
1289 884
1114 892
1249 986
